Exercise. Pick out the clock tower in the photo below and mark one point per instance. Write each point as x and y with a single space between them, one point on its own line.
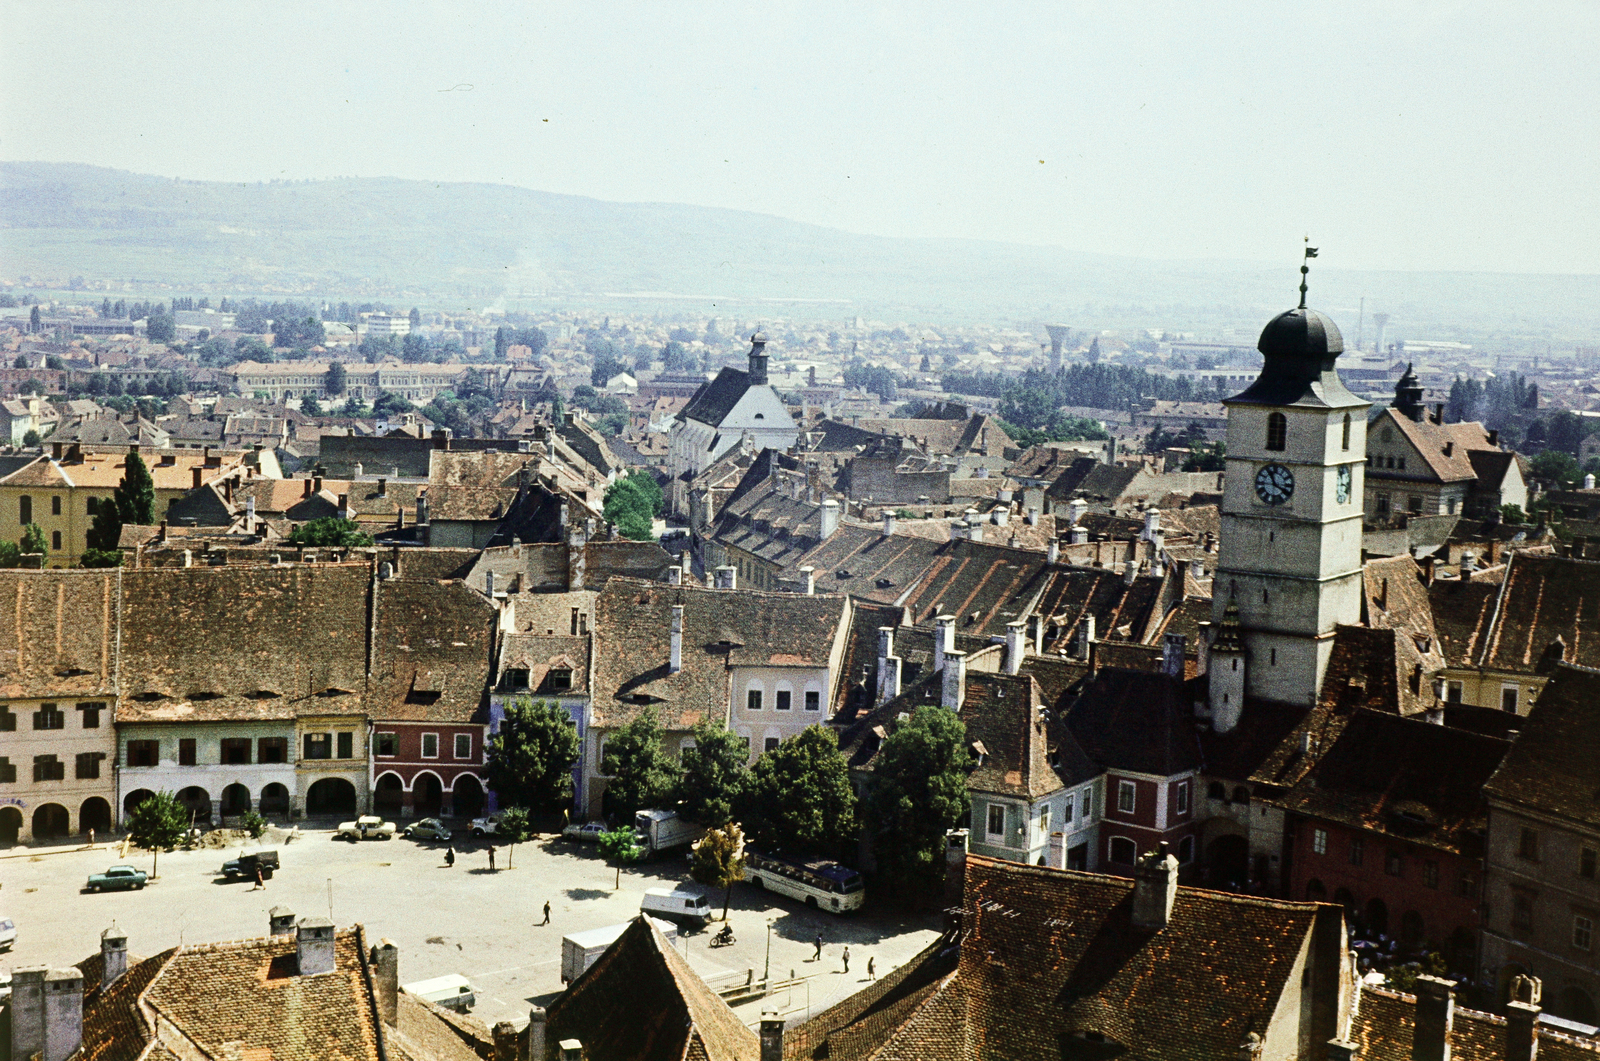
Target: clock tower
1289 567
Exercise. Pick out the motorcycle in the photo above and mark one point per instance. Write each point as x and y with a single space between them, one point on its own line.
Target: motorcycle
724 937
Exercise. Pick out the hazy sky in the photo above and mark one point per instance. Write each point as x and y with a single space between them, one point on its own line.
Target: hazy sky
1401 136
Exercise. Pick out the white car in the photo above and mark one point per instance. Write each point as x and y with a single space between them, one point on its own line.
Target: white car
366 827
8 933
485 826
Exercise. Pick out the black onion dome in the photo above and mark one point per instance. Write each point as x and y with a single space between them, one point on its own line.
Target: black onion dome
1301 335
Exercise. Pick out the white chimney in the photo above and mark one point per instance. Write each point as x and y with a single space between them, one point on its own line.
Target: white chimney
1155 888
1057 858
1077 535
809 574
1130 571
674 576
953 691
944 639
538 1026
1172 646
250 509
113 954
727 577
1015 640
888 666
1085 637
1001 516
675 658
888 524
1588 482
830 518
1052 552
1033 517
772 1024
46 1013
280 920
1076 509
314 946
488 583
1152 523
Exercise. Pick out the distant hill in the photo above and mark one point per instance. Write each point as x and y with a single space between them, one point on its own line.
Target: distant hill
478 244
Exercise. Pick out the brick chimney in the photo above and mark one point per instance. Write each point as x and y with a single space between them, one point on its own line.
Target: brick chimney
46 1013
113 954
314 946
1436 1014
675 656
953 689
1016 639
772 1024
386 979
888 666
1155 888
1522 1019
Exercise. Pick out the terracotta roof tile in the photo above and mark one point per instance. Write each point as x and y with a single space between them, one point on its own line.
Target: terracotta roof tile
1552 765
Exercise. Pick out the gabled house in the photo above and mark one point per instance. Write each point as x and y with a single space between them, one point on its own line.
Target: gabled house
552 669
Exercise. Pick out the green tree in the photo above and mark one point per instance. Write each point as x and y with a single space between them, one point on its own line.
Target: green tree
330 531
514 827
20 362
1554 465
718 861
135 495
1512 514
158 825
798 797
354 407
34 321
337 378
919 792
30 437
621 846
387 405
531 757
310 407
415 348
34 541
1213 458
713 772
160 328
10 555
415 317
642 773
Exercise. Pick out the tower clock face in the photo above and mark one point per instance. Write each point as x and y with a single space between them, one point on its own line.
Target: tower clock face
1274 484
1341 484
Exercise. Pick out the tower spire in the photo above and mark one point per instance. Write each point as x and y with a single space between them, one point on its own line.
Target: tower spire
1311 252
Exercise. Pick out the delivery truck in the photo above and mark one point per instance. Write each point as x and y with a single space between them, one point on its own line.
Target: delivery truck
662 830
581 949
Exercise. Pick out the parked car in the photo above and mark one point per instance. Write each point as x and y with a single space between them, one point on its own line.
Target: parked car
485 826
117 877
451 991
427 829
585 831
8 933
366 827
246 865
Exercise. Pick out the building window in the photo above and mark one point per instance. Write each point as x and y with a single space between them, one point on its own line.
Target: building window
55 504
1125 796
1452 692
1394 864
8 773
1522 912
1380 502
318 746
55 540
89 765
386 744
8 720
1186 850
1346 443
1582 931
1277 431
91 715
770 744
347 745
1467 886
186 751
813 700
48 768
1182 797
515 678
272 750
997 821
1087 804
1357 850
1066 812
25 510
1319 841
752 700
463 745
49 717
1586 863
430 746
1508 698
560 680
236 751
1044 819
1528 844
1122 851
144 752
1430 874
782 701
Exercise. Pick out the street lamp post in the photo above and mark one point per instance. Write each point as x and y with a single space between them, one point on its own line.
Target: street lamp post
766 974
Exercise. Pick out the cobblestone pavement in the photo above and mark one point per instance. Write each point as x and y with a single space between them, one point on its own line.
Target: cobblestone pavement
463 920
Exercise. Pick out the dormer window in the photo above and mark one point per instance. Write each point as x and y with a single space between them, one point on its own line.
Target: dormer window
515 678
559 679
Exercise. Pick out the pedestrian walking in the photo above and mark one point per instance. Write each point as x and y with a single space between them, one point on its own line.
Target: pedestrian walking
491 858
261 885
847 959
450 856
817 957
872 968
546 920
91 836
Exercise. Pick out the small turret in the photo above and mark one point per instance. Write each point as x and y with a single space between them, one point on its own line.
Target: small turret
1408 396
1225 671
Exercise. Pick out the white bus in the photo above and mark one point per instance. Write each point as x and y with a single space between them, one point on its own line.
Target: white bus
820 884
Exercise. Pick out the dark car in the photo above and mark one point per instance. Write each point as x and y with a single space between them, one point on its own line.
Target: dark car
246 865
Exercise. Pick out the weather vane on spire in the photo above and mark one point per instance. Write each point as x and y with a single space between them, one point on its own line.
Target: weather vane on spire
1311 252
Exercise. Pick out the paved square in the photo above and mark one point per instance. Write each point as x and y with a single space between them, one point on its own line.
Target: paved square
462 920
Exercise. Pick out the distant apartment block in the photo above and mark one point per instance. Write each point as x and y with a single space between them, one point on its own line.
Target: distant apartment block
302 379
384 324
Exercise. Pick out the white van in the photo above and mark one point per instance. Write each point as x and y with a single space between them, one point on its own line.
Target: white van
451 991
676 904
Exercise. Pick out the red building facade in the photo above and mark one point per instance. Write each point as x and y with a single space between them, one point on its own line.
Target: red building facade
428 769
1142 811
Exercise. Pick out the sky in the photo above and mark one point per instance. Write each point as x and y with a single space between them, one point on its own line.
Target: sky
1411 136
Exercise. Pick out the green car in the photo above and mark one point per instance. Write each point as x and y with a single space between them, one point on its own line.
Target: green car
117 877
427 829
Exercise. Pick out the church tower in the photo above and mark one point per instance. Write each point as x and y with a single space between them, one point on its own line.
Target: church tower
1289 567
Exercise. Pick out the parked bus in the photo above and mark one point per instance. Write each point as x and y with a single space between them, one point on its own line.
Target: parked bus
817 883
